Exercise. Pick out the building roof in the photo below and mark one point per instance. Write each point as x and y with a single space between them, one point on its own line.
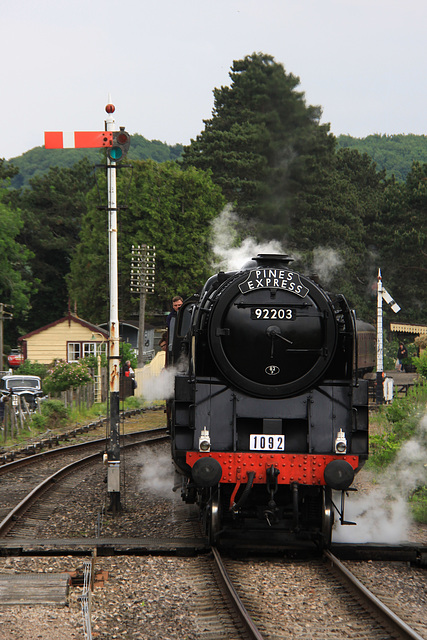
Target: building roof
70 318
406 327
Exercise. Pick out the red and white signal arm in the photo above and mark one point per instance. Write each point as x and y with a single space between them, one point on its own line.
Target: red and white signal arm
78 139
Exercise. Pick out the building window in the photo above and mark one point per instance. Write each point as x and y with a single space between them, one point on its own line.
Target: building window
77 350
94 348
89 349
74 351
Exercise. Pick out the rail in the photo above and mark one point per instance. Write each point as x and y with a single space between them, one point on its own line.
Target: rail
403 630
233 596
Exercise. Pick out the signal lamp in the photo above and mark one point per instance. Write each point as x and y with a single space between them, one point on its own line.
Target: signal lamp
120 145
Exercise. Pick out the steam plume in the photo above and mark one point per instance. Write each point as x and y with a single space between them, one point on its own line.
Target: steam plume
383 514
225 235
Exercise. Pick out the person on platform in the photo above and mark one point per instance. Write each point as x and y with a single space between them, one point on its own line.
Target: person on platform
127 369
402 353
176 304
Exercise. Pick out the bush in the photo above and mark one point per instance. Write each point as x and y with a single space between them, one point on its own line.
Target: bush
29 368
421 364
66 375
127 353
418 503
54 409
53 415
92 361
133 402
383 449
397 411
399 422
38 422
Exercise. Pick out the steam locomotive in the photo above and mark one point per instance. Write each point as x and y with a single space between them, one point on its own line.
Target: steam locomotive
270 410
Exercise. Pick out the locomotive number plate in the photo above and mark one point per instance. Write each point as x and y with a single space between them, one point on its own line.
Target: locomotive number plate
272 313
263 442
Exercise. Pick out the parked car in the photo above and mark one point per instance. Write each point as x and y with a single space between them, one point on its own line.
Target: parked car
28 387
15 358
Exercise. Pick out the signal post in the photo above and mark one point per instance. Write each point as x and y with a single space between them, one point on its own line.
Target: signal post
117 145
382 294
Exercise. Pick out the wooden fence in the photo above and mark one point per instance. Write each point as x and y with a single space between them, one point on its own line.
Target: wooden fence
16 415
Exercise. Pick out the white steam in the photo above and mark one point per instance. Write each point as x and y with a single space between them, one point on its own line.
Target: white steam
326 262
230 257
159 387
160 484
383 515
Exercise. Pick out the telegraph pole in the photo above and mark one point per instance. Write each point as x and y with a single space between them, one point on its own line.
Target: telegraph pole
117 145
142 281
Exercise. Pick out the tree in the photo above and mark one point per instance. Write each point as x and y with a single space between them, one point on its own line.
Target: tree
393 153
330 226
51 213
401 229
167 207
7 171
16 282
260 142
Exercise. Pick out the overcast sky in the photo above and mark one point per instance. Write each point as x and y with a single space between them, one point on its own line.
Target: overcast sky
362 61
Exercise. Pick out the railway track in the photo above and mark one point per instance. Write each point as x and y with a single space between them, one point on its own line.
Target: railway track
311 600
27 480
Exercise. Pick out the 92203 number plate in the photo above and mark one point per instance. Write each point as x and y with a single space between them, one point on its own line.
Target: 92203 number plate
272 313
264 442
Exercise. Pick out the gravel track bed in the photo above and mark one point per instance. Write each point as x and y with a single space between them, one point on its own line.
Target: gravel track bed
156 597
152 598
150 507
401 588
143 599
300 601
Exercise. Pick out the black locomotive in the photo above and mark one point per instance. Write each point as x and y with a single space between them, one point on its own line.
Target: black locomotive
270 412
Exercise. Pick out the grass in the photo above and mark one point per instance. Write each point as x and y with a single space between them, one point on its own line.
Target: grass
418 503
393 425
55 417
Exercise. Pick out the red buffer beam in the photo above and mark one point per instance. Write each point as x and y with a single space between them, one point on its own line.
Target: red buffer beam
78 139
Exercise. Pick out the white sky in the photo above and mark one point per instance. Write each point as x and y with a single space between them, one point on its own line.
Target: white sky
362 61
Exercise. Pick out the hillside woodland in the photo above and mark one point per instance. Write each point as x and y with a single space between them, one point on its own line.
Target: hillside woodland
335 205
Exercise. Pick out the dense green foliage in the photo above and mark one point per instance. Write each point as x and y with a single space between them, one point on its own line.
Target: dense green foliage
127 353
331 226
261 142
29 368
399 237
66 375
16 278
38 161
399 422
401 441
54 413
51 212
419 505
421 364
167 207
393 153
